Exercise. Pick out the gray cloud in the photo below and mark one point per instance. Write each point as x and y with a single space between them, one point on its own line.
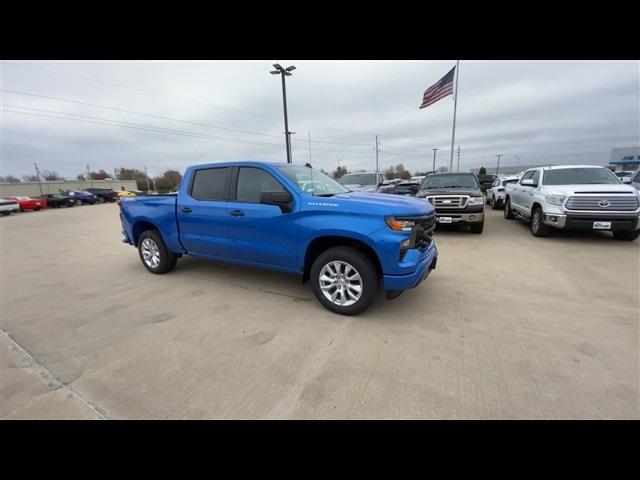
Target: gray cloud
538 111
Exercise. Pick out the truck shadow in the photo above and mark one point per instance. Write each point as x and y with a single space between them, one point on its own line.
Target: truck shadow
251 278
577 236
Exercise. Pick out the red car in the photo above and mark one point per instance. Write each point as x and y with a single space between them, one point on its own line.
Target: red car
28 203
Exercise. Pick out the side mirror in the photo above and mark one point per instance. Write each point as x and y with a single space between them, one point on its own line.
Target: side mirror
280 198
626 179
528 183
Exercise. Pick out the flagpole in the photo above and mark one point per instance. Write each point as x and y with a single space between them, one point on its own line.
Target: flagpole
455 106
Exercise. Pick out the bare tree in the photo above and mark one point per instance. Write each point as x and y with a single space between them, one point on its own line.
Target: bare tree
51 176
9 179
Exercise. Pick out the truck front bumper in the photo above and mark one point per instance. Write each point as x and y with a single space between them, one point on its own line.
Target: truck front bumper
462 217
422 271
585 222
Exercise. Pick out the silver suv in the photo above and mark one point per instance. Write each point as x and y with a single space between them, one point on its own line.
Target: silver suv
581 197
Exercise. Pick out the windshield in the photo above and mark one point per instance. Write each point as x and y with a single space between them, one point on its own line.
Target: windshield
358 179
579 176
515 180
449 181
312 181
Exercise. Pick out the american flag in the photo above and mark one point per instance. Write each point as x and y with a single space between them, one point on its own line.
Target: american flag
438 90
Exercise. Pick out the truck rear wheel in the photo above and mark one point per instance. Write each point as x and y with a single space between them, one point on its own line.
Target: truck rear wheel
154 254
626 235
344 280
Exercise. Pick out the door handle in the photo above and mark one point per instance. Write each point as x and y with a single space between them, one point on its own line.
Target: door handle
186 209
236 213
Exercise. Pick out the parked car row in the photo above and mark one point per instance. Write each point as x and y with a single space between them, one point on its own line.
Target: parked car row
88 196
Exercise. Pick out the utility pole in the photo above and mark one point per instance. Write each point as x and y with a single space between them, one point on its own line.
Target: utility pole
285 72
89 175
458 169
146 176
38 177
455 107
309 134
377 170
498 166
434 159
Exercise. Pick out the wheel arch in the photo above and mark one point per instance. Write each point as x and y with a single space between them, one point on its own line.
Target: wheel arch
323 243
142 226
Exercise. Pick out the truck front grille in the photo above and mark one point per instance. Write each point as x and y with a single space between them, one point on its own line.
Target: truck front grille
423 231
603 203
448 201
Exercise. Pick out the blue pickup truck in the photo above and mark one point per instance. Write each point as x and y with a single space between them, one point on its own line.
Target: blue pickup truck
291 218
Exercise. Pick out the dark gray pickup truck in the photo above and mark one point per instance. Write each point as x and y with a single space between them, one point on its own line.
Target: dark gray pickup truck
456 197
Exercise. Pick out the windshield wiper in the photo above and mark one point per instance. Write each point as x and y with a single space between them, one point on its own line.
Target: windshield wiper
324 194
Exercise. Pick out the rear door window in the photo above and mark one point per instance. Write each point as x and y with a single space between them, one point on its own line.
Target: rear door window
210 184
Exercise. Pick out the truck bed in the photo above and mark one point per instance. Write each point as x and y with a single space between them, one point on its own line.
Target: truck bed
159 210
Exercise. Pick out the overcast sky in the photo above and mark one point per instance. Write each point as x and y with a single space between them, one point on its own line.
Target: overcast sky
530 111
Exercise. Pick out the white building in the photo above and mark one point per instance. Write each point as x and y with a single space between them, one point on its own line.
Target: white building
625 158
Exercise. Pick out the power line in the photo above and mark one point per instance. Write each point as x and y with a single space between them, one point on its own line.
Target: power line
138 126
166 118
152 92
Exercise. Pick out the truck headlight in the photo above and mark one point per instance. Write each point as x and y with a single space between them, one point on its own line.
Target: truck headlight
399 225
554 199
476 201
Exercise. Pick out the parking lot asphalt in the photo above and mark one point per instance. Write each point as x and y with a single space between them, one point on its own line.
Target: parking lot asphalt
507 327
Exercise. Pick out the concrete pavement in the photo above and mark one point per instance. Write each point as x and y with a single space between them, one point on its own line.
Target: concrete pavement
508 326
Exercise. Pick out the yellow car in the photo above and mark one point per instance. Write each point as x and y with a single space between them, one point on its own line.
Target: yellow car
125 193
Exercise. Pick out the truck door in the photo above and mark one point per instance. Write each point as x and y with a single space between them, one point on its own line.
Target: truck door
202 212
259 233
518 192
529 191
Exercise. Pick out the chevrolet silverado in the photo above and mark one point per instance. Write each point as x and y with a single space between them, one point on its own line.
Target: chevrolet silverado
279 217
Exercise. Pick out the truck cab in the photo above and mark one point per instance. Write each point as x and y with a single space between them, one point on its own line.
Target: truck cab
290 218
364 181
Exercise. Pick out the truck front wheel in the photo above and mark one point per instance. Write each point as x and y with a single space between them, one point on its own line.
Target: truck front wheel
154 254
538 228
627 235
344 280
508 213
477 227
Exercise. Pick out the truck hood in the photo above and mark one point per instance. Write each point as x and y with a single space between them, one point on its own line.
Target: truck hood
588 188
449 191
397 204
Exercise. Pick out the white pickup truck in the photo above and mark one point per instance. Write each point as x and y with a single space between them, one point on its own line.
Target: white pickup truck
581 197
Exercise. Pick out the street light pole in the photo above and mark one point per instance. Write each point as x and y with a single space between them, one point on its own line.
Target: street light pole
498 166
285 72
434 159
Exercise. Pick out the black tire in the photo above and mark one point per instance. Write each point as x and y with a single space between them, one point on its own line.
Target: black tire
508 213
167 260
486 202
477 227
37 208
626 235
494 204
369 280
538 228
